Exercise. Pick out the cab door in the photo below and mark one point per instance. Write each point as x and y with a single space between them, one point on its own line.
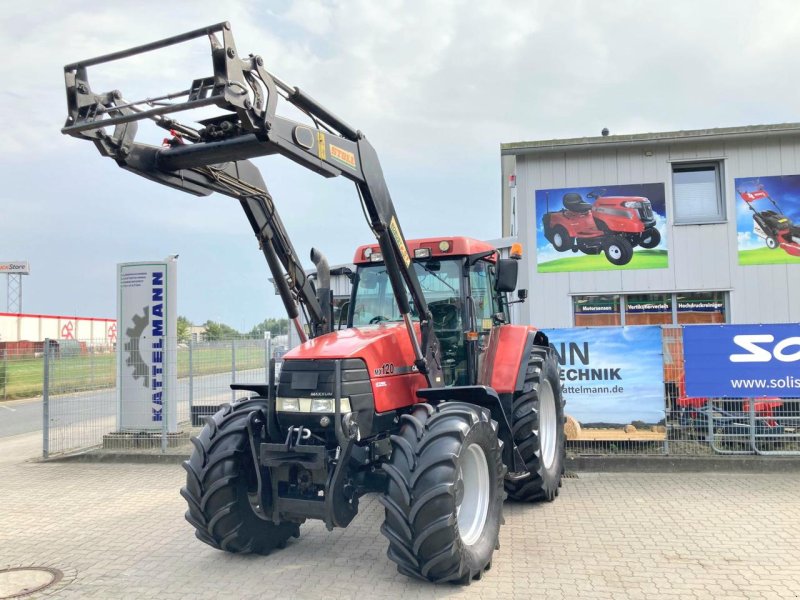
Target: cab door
483 304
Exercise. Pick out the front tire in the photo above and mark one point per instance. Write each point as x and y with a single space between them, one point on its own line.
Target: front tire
618 250
444 500
650 238
538 429
772 243
221 484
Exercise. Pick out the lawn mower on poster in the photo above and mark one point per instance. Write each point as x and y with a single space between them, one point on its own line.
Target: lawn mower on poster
574 228
773 226
628 216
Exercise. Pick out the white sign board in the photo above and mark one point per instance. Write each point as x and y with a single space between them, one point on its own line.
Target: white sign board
17 267
147 366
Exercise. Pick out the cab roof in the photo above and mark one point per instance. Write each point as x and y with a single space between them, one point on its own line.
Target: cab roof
456 246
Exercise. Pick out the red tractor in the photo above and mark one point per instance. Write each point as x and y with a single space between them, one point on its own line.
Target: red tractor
612 224
426 396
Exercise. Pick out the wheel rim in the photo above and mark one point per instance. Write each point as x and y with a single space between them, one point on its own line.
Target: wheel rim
615 252
548 425
558 240
471 511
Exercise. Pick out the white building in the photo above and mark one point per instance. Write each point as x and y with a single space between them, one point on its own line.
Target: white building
710 265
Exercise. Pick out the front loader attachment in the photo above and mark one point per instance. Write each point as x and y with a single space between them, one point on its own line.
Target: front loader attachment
209 153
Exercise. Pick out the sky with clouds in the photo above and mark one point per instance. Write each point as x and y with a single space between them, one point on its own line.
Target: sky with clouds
436 87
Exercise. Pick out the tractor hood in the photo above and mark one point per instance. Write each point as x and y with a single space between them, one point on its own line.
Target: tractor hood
387 353
384 347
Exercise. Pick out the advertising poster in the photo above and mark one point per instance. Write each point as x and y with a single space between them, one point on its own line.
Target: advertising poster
768 220
601 228
612 380
147 357
742 361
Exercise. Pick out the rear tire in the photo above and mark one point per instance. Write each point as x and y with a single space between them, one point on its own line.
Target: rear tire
618 250
439 527
220 482
538 429
772 243
562 241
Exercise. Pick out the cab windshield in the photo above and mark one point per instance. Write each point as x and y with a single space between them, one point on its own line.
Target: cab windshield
374 302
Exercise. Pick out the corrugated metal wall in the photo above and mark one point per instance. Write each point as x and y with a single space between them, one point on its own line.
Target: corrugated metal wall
701 257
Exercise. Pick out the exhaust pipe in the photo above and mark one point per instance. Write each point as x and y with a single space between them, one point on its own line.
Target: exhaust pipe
323 269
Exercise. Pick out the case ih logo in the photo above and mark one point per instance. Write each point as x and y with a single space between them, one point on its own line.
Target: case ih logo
756 353
344 156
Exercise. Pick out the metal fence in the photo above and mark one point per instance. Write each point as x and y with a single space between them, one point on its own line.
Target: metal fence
696 426
84 407
81 403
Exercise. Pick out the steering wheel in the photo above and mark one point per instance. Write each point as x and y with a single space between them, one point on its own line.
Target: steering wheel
377 319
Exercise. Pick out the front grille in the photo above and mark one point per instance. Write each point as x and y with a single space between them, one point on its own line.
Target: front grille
316 378
646 211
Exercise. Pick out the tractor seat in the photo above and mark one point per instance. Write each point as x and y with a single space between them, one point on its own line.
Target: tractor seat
575 203
445 316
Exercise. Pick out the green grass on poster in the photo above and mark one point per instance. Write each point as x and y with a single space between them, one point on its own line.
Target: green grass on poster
765 256
642 259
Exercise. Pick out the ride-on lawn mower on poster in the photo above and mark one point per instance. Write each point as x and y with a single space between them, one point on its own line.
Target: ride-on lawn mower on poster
427 396
612 224
774 227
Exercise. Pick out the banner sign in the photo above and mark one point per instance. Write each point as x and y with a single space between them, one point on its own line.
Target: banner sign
147 354
601 228
611 374
742 361
768 219
19 267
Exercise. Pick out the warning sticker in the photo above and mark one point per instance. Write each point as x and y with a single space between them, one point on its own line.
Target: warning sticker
321 145
398 238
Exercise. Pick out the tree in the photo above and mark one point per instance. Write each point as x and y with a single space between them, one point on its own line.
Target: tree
274 326
184 329
219 331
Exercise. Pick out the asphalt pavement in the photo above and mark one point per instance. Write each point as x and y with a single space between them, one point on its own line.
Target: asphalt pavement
116 530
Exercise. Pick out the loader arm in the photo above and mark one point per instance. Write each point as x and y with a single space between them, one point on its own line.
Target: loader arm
213 158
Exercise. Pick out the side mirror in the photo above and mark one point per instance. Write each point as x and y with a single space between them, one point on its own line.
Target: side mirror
506 275
522 295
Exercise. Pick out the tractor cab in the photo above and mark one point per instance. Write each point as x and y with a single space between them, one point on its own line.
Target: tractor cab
459 279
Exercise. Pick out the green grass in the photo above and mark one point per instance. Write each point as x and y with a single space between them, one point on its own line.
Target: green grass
642 259
24 376
765 256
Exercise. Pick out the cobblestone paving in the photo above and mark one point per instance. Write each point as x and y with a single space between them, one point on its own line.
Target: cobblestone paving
117 531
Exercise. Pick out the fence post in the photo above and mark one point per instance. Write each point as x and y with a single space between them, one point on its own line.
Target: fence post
268 351
4 373
191 380
46 401
233 369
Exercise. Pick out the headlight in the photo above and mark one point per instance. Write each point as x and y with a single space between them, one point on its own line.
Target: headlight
322 405
632 204
288 404
311 405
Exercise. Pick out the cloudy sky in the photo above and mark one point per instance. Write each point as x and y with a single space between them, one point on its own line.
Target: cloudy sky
436 86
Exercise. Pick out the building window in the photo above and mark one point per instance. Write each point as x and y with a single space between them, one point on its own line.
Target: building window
597 311
682 308
701 307
697 193
648 309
